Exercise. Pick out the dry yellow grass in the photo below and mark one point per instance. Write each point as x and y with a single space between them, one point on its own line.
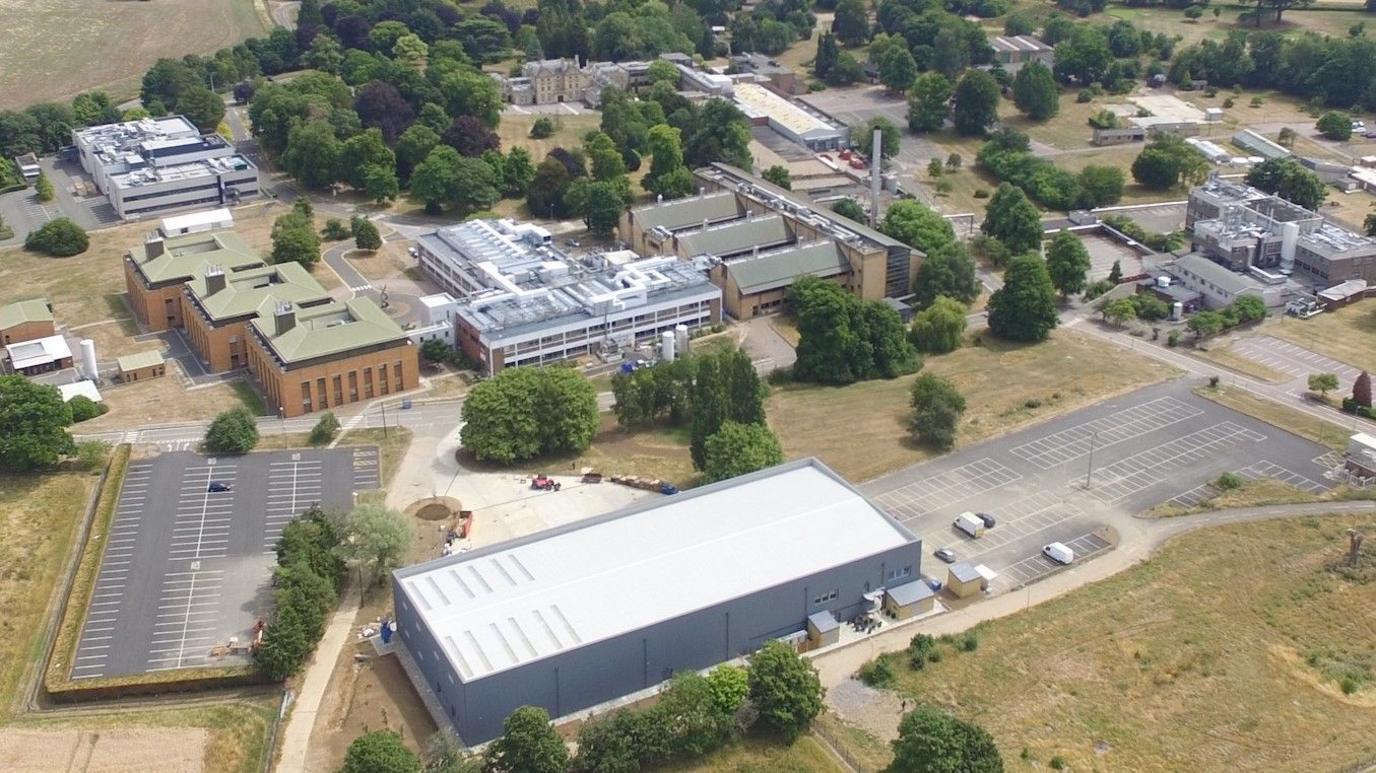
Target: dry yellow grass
514 130
861 430
1345 335
1322 432
1226 646
165 399
1225 356
38 513
804 756
59 48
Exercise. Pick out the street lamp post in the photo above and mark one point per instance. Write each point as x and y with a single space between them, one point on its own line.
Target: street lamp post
1089 473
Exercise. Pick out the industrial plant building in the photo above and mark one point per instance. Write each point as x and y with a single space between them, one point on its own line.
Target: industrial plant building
514 299
594 611
156 164
1252 232
789 118
758 238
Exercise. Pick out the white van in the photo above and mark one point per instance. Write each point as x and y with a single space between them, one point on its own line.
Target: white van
1059 553
970 524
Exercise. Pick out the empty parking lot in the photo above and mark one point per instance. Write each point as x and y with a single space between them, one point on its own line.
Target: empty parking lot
188 558
1294 362
1070 478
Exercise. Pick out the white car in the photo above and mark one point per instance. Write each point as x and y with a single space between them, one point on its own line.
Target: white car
1059 553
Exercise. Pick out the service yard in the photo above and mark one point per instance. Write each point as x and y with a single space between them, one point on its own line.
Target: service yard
1077 477
188 557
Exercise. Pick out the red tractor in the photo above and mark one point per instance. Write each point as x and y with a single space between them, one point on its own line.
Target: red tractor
543 482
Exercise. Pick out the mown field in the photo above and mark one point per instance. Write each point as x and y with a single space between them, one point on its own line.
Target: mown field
57 49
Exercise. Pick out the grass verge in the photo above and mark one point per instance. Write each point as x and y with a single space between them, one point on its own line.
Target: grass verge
861 430
1345 334
1248 367
1241 641
1308 427
806 755
249 397
74 610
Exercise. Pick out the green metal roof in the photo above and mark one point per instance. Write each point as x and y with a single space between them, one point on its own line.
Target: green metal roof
246 290
330 328
736 237
184 257
690 211
779 269
139 360
19 312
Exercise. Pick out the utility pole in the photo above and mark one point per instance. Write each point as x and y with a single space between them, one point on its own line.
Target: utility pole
1093 438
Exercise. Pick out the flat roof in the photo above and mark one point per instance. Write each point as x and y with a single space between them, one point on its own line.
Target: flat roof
185 256
759 100
39 351
521 601
245 290
139 360
208 217
330 328
19 312
964 571
84 388
910 592
776 269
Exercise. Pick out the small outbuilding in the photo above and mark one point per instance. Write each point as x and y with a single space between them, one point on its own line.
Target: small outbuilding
40 355
822 629
1360 458
26 320
909 600
85 388
964 580
141 366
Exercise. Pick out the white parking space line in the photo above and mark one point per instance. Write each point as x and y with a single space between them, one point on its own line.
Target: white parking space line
1147 468
1075 442
937 491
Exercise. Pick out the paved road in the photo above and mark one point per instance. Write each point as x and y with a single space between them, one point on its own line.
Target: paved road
355 281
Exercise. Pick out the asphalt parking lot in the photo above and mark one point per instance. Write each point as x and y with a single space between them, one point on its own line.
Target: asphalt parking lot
1151 446
1294 361
186 568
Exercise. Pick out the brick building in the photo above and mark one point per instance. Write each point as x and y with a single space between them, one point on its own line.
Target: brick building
25 321
155 274
218 305
309 358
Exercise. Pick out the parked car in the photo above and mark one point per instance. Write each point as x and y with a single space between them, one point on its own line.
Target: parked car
1370 135
1059 553
946 554
989 520
217 486
933 583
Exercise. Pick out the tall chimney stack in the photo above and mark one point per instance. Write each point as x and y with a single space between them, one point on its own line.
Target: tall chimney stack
876 165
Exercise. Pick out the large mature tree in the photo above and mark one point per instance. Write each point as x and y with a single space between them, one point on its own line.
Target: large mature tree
470 136
33 422
380 751
1169 161
862 136
413 146
294 239
927 102
600 204
366 236
1024 309
932 741
232 432
939 328
377 538
1100 186
524 412
1361 389
737 449
844 339
976 103
1012 219
528 744
785 689
896 67
851 23
312 154
721 133
202 107
1286 178
469 92
1035 92
360 152
445 177
1067 261
668 176
947 271
1083 57
381 106
917 226
1335 125
937 408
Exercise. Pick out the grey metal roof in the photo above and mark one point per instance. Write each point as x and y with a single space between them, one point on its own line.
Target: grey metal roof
911 592
520 601
735 237
777 269
964 571
1215 274
823 621
681 213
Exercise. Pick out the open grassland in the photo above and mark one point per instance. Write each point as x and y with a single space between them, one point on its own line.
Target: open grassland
1347 335
59 48
806 755
861 430
1233 643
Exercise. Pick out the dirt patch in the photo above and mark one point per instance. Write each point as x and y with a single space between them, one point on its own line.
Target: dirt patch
173 750
435 512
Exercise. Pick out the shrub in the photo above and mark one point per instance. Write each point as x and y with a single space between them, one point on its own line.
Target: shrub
232 432
877 673
60 238
969 642
542 128
84 408
324 429
1228 102
335 230
981 193
1173 338
1229 481
1057 762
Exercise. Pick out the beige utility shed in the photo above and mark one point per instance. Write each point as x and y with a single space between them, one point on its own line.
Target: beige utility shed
909 600
964 581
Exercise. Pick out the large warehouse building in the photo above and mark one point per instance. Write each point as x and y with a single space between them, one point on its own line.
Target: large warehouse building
587 613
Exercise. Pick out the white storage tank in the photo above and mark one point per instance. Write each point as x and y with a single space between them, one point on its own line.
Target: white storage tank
88 359
666 346
681 339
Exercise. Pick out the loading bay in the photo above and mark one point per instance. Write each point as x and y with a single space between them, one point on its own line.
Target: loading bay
1158 444
188 559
